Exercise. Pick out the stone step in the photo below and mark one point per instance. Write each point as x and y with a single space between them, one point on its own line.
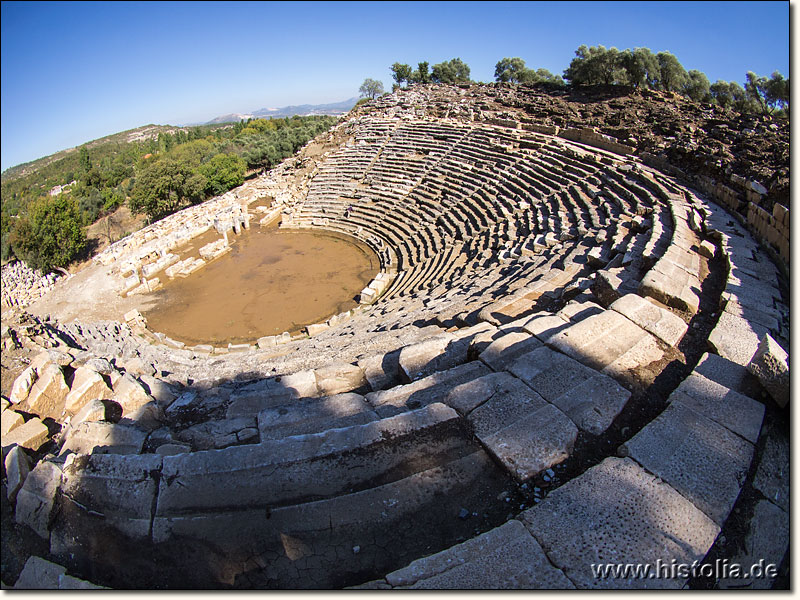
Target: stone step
618 513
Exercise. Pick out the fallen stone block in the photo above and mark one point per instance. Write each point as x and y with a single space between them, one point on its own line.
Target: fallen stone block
506 349
339 378
770 364
103 438
663 324
36 498
22 385
382 371
671 285
616 512
17 466
87 385
9 420
506 557
48 395
31 435
589 398
701 459
439 353
39 574
130 394
735 338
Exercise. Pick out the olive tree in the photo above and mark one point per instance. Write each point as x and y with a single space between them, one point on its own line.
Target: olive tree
370 88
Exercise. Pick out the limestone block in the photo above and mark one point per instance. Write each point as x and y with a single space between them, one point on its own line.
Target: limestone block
616 512
726 372
130 394
606 286
381 370
92 437
507 348
67 582
216 434
771 365
435 354
662 323
10 420
87 385
545 326
31 435
339 378
773 473
592 400
701 459
48 395
577 311
22 385
314 415
737 412
162 392
100 365
173 449
17 465
506 557
316 328
39 574
36 499
735 338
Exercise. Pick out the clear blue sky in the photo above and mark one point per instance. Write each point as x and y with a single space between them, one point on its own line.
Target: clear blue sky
74 72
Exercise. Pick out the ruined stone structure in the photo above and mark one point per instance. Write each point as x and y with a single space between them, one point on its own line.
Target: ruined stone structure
550 371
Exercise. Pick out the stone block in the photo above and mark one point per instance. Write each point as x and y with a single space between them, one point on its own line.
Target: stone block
773 472
103 438
314 415
36 499
609 343
317 328
727 373
87 385
670 284
31 435
48 395
216 434
9 420
438 353
589 398
506 557
770 364
507 348
578 311
339 378
39 574
22 385
735 338
616 512
742 415
162 392
544 326
17 466
130 394
701 459
382 370
660 322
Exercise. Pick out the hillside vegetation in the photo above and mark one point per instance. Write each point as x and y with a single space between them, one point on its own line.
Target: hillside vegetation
155 170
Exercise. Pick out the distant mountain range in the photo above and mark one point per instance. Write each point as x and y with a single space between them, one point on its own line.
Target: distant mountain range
335 108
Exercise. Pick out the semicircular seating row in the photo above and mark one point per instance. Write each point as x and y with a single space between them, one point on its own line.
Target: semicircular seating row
481 224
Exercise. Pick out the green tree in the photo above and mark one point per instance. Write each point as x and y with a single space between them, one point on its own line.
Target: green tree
421 74
450 72
401 73
595 65
672 75
165 186
697 86
222 173
641 67
370 88
84 161
755 88
741 102
50 236
721 93
511 69
777 91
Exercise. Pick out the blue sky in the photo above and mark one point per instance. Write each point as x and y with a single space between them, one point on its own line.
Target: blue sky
74 72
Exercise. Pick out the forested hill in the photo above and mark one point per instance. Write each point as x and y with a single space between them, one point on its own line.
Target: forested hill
155 170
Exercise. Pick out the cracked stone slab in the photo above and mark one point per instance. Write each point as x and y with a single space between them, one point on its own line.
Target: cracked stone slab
665 325
506 557
735 338
700 458
93 437
767 540
737 412
251 399
314 415
435 354
609 343
36 499
616 512
589 398
672 285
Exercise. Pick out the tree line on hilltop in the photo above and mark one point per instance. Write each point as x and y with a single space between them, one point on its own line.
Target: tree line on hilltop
597 65
155 177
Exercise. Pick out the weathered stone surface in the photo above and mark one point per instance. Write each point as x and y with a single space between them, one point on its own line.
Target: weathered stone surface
17 465
592 400
39 574
314 415
10 420
279 471
771 365
100 365
438 353
87 385
609 343
606 285
767 541
672 285
120 487
36 499
701 459
49 394
216 434
103 438
162 392
130 394
267 393
728 373
545 326
740 414
577 311
67 582
22 385
339 378
382 370
735 339
773 473
424 391
525 433
506 557
182 403
662 323
759 313
507 348
616 512
31 435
